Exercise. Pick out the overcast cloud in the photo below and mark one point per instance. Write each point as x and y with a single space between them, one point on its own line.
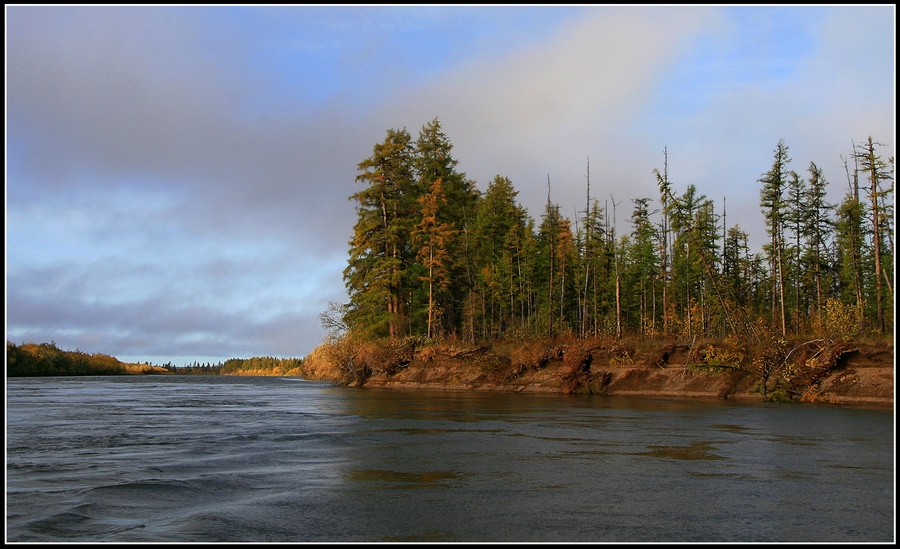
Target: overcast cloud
177 178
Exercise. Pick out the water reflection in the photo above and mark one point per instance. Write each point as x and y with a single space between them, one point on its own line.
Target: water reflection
404 479
696 450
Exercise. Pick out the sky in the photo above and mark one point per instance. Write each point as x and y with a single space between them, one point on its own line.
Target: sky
178 178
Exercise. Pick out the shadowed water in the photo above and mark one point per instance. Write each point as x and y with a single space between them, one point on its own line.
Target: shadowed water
214 458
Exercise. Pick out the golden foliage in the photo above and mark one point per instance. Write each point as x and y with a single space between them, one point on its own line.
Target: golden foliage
722 357
838 320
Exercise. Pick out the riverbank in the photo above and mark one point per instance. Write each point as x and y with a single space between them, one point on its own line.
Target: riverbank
816 371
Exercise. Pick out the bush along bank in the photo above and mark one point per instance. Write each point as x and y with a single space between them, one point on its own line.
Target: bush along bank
777 370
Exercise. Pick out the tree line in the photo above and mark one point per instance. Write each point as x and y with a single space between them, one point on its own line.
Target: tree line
255 366
262 366
46 359
433 256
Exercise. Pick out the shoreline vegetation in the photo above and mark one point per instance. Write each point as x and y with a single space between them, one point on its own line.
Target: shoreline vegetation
46 359
781 370
815 371
453 287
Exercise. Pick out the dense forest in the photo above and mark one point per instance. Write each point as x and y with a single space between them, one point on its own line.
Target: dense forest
434 257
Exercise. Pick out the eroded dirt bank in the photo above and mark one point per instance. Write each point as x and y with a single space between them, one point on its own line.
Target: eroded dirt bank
836 373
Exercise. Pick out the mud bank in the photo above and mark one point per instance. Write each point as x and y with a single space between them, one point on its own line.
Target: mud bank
835 374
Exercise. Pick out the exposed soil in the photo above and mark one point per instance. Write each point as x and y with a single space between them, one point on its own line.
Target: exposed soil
865 375
857 374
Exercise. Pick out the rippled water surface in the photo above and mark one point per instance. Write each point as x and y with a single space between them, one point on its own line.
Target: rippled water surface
215 458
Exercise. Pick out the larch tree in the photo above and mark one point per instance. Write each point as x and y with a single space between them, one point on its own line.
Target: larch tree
705 235
695 254
618 247
434 238
685 277
740 277
876 172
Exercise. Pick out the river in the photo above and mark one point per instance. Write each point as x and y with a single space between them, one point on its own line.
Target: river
268 459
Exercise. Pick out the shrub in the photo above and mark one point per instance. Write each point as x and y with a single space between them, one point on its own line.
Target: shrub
332 360
621 355
721 358
838 320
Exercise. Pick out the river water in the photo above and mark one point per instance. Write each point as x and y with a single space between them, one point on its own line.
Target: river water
267 459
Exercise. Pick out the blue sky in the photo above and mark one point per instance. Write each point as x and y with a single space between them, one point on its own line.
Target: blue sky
177 178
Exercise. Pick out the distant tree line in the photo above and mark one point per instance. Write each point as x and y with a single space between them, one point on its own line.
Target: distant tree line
433 256
46 359
256 366
195 368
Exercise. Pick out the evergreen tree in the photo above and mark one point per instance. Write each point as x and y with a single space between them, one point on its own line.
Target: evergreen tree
743 282
774 208
875 170
377 276
555 261
795 212
642 267
817 227
499 224
431 255
666 199
434 160
851 246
